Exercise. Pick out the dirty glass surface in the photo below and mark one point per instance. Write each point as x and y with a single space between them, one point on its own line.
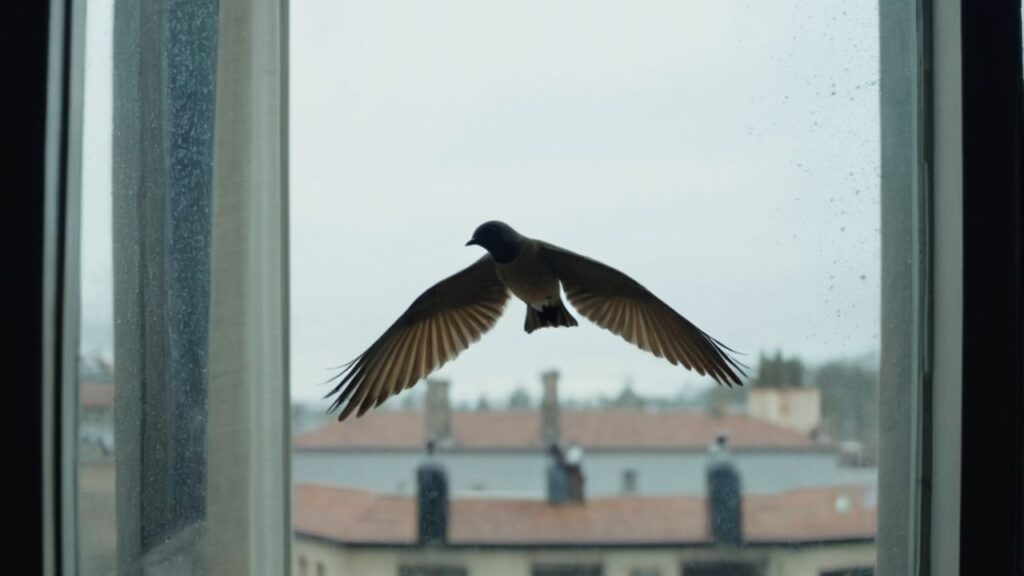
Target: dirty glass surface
725 155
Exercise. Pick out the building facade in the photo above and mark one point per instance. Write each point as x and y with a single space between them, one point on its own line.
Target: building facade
625 452
809 532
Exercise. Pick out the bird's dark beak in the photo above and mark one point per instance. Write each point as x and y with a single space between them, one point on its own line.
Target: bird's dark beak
472 241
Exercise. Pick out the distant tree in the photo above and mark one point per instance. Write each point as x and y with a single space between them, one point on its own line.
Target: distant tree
95 368
572 403
306 417
718 399
849 402
628 398
482 405
779 372
684 400
410 400
520 399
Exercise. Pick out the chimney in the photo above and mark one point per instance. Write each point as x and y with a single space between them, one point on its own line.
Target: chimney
432 500
565 475
439 412
724 496
549 419
558 476
574 459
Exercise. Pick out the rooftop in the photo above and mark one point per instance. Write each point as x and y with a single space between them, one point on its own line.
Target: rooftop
801 516
96 395
520 429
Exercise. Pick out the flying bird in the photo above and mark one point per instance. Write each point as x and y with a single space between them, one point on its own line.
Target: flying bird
454 313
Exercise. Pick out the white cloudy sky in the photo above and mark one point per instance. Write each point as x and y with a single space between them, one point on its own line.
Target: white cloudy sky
722 152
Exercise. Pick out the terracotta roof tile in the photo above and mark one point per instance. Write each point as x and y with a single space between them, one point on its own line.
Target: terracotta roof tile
821 513
96 395
811 515
513 429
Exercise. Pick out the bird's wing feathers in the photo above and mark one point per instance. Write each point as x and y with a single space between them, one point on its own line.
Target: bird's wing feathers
440 324
620 304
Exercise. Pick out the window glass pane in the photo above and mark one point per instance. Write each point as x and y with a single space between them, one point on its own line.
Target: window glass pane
96 465
180 412
725 155
146 235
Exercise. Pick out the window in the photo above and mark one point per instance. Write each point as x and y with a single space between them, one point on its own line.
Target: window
432 571
566 570
954 152
629 481
726 155
183 456
862 571
720 569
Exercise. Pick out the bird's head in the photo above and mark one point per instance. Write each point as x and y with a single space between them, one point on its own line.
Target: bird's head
497 238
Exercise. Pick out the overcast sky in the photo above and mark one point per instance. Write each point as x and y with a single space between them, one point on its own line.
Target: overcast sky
723 153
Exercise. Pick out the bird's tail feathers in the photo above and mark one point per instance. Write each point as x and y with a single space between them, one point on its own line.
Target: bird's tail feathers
553 316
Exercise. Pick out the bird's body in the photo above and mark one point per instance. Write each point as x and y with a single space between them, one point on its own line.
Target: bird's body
529 278
457 311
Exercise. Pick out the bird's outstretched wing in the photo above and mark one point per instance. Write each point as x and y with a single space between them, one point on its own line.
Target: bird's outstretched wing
618 303
440 324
